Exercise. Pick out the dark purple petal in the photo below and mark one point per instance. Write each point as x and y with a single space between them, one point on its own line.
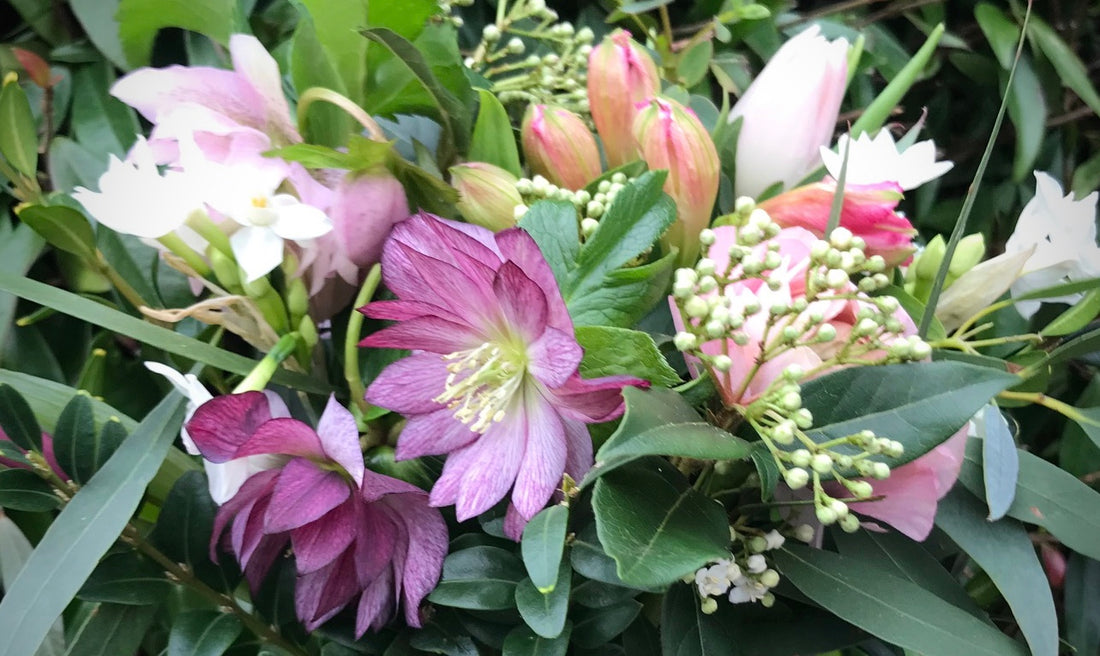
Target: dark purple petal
443 239
263 557
340 439
376 486
543 459
427 540
377 605
408 386
256 486
321 594
592 400
518 246
284 436
303 494
221 425
426 334
318 543
522 301
379 538
554 357
402 310
434 433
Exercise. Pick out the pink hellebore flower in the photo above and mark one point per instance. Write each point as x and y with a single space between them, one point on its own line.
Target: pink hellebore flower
868 211
493 378
355 533
789 111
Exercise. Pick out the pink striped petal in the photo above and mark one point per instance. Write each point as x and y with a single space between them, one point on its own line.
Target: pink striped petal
518 246
522 302
554 357
223 424
376 605
433 433
303 494
286 436
543 458
426 334
340 439
409 385
321 594
319 543
593 400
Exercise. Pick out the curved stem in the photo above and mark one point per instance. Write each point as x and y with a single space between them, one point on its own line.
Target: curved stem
352 374
313 94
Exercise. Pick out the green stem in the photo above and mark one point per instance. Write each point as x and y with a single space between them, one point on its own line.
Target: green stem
352 374
174 243
123 287
200 222
313 94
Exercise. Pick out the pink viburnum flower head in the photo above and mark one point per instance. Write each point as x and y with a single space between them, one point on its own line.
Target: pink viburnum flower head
493 379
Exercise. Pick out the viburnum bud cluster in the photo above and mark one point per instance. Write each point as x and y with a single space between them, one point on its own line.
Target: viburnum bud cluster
744 577
591 206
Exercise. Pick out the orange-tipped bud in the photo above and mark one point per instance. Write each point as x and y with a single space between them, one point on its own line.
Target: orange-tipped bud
621 74
487 194
670 137
559 146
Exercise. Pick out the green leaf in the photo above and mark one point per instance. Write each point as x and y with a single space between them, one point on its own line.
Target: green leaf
202 633
183 531
1072 72
140 20
311 66
493 140
522 641
162 338
660 422
545 612
1074 348
1027 110
111 629
694 63
917 404
334 25
543 544
889 607
12 452
97 17
766 469
19 248
126 578
479 578
21 489
17 420
593 627
74 439
1001 32
84 530
1082 604
1079 315
880 108
100 122
588 558
406 18
18 132
553 226
1002 465
610 351
1003 550
674 532
1047 496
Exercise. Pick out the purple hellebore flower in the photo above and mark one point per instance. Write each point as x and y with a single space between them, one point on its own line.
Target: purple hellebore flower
493 378
354 532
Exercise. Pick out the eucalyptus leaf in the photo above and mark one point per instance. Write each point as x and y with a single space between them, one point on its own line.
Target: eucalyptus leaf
542 546
1002 465
1082 604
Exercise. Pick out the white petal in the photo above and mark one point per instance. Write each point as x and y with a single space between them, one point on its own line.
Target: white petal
300 221
258 251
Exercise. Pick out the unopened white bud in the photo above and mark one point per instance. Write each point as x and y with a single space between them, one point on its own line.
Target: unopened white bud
708 605
796 478
860 489
826 333
783 432
822 463
722 363
836 279
801 457
849 524
803 418
707 237
588 226
804 533
839 507
769 577
696 307
880 470
825 515
841 238
684 341
744 204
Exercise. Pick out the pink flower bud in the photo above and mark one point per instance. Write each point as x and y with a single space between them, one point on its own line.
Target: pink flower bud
621 74
1054 564
868 211
671 137
488 195
559 146
366 206
789 112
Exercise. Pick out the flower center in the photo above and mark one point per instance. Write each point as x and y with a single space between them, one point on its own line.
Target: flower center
259 213
481 383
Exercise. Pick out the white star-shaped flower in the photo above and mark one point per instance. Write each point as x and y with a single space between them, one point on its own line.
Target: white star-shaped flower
873 161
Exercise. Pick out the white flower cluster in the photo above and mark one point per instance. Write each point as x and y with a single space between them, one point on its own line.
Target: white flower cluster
743 579
590 206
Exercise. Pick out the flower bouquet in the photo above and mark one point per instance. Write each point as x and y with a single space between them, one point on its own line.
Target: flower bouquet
672 328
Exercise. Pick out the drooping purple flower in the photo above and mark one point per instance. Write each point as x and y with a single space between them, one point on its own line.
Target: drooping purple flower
493 379
47 452
355 533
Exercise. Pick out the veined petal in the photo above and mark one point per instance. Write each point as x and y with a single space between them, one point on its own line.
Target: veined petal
376 604
253 63
319 543
409 385
373 554
554 357
259 485
286 436
321 594
340 439
518 246
426 334
223 424
466 291
258 251
153 91
433 433
593 400
477 476
543 458
397 310
578 456
303 494
441 239
522 301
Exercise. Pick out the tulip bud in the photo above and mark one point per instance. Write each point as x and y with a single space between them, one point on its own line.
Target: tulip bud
671 137
867 211
487 194
621 74
558 146
789 111
969 251
366 207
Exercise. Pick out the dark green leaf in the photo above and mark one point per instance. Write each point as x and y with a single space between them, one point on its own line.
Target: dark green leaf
889 607
588 558
17 420
100 122
135 261
311 66
142 331
479 578
111 630
659 422
766 469
97 17
593 627
1001 462
1074 348
642 6
18 133
202 633
111 436
345 51
1079 315
1073 73
1047 496
1003 550
126 578
140 20
21 489
63 227
545 612
694 63
74 439
493 140
1082 597
917 404
1027 110
542 546
553 226
522 641
184 527
620 351
12 452
597 594
1001 32
83 531
19 248
675 532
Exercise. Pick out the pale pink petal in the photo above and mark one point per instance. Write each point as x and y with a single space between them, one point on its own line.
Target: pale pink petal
153 91
484 470
409 385
253 63
554 357
543 459
365 209
433 433
340 439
